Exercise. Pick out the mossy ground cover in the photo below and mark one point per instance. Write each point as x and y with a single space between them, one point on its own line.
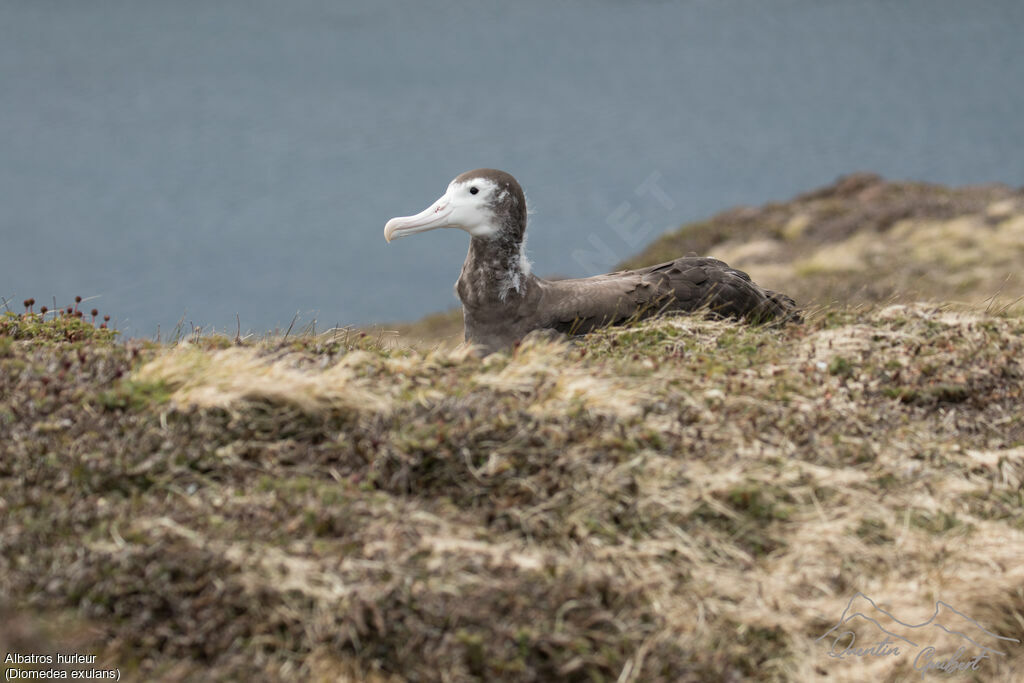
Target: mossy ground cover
682 499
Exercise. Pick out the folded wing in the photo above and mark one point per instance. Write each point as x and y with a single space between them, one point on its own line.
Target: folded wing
685 284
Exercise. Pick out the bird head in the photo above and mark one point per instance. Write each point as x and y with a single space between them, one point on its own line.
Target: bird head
485 203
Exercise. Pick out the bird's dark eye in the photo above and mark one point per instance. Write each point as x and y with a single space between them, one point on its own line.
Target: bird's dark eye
473 190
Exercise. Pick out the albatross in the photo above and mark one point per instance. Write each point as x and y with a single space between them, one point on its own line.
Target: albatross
502 301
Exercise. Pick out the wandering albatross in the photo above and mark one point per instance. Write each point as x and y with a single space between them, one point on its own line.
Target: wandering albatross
502 300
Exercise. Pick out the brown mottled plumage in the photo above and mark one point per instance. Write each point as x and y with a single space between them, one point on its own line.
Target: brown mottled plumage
502 301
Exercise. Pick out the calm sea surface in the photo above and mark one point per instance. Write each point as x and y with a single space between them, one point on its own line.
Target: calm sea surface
203 158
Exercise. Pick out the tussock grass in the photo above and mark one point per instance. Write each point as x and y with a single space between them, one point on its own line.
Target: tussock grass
225 377
679 499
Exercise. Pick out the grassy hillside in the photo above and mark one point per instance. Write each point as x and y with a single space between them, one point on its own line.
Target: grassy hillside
678 500
866 240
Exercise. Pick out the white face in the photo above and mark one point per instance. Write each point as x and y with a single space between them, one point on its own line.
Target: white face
464 205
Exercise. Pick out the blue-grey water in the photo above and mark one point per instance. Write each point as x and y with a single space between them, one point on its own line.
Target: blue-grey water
203 158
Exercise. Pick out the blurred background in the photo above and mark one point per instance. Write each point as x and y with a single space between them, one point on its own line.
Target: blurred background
200 159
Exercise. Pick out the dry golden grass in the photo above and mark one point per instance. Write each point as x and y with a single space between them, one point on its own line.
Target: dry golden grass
221 378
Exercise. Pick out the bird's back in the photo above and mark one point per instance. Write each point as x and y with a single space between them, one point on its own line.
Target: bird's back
689 283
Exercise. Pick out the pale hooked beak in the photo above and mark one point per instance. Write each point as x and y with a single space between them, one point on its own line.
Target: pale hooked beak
434 216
